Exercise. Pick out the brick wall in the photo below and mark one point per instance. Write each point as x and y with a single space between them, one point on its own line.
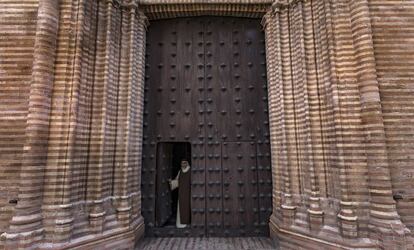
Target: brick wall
393 36
72 99
18 27
94 157
338 157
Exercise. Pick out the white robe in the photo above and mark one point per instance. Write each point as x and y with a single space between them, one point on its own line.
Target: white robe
174 185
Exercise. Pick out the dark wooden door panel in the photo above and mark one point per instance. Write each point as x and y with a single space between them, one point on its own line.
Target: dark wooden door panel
214 189
190 72
198 191
240 204
206 84
218 47
163 173
264 186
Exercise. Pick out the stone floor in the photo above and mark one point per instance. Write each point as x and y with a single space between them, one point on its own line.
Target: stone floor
245 243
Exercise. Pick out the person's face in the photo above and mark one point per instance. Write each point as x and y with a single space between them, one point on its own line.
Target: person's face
184 164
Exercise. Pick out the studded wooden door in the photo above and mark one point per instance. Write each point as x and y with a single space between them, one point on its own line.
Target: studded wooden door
206 84
163 197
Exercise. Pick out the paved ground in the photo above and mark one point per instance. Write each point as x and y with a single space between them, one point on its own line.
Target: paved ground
245 243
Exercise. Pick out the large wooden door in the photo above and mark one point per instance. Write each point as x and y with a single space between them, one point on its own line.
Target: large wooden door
206 84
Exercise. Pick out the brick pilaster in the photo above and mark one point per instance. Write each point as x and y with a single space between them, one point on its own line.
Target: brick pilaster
26 225
384 219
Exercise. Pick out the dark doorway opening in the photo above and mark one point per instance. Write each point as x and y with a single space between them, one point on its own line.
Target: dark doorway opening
169 156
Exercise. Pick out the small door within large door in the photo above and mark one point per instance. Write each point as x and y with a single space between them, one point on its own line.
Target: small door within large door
169 157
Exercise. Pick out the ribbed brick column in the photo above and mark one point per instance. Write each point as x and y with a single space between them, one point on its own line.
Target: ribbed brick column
277 88
57 203
315 149
26 226
121 163
347 116
290 174
384 217
136 115
95 185
392 26
272 39
130 114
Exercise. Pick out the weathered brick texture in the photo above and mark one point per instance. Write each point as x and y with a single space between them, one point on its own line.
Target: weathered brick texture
18 28
332 171
77 172
393 34
340 110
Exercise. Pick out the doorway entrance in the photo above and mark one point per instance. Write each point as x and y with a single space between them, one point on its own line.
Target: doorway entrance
169 157
206 86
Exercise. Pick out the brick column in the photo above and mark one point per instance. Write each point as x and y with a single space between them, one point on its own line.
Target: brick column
281 108
384 218
136 114
95 172
130 114
348 221
26 226
272 39
121 177
290 175
57 203
315 145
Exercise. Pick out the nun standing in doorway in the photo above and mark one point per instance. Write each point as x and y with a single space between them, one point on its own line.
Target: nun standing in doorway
183 182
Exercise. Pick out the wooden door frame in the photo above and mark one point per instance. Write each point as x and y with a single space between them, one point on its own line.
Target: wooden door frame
157 9
153 10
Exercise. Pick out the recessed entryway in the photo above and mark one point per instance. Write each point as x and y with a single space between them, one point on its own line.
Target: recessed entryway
206 86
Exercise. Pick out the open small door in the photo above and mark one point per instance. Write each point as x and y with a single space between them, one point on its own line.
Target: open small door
163 193
169 156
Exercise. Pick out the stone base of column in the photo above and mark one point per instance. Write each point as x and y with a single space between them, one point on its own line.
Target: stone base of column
123 211
12 241
288 213
391 235
111 240
289 238
64 224
107 240
316 218
315 213
348 226
24 230
97 217
348 221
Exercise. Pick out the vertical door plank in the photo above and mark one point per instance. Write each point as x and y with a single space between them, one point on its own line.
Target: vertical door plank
163 193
